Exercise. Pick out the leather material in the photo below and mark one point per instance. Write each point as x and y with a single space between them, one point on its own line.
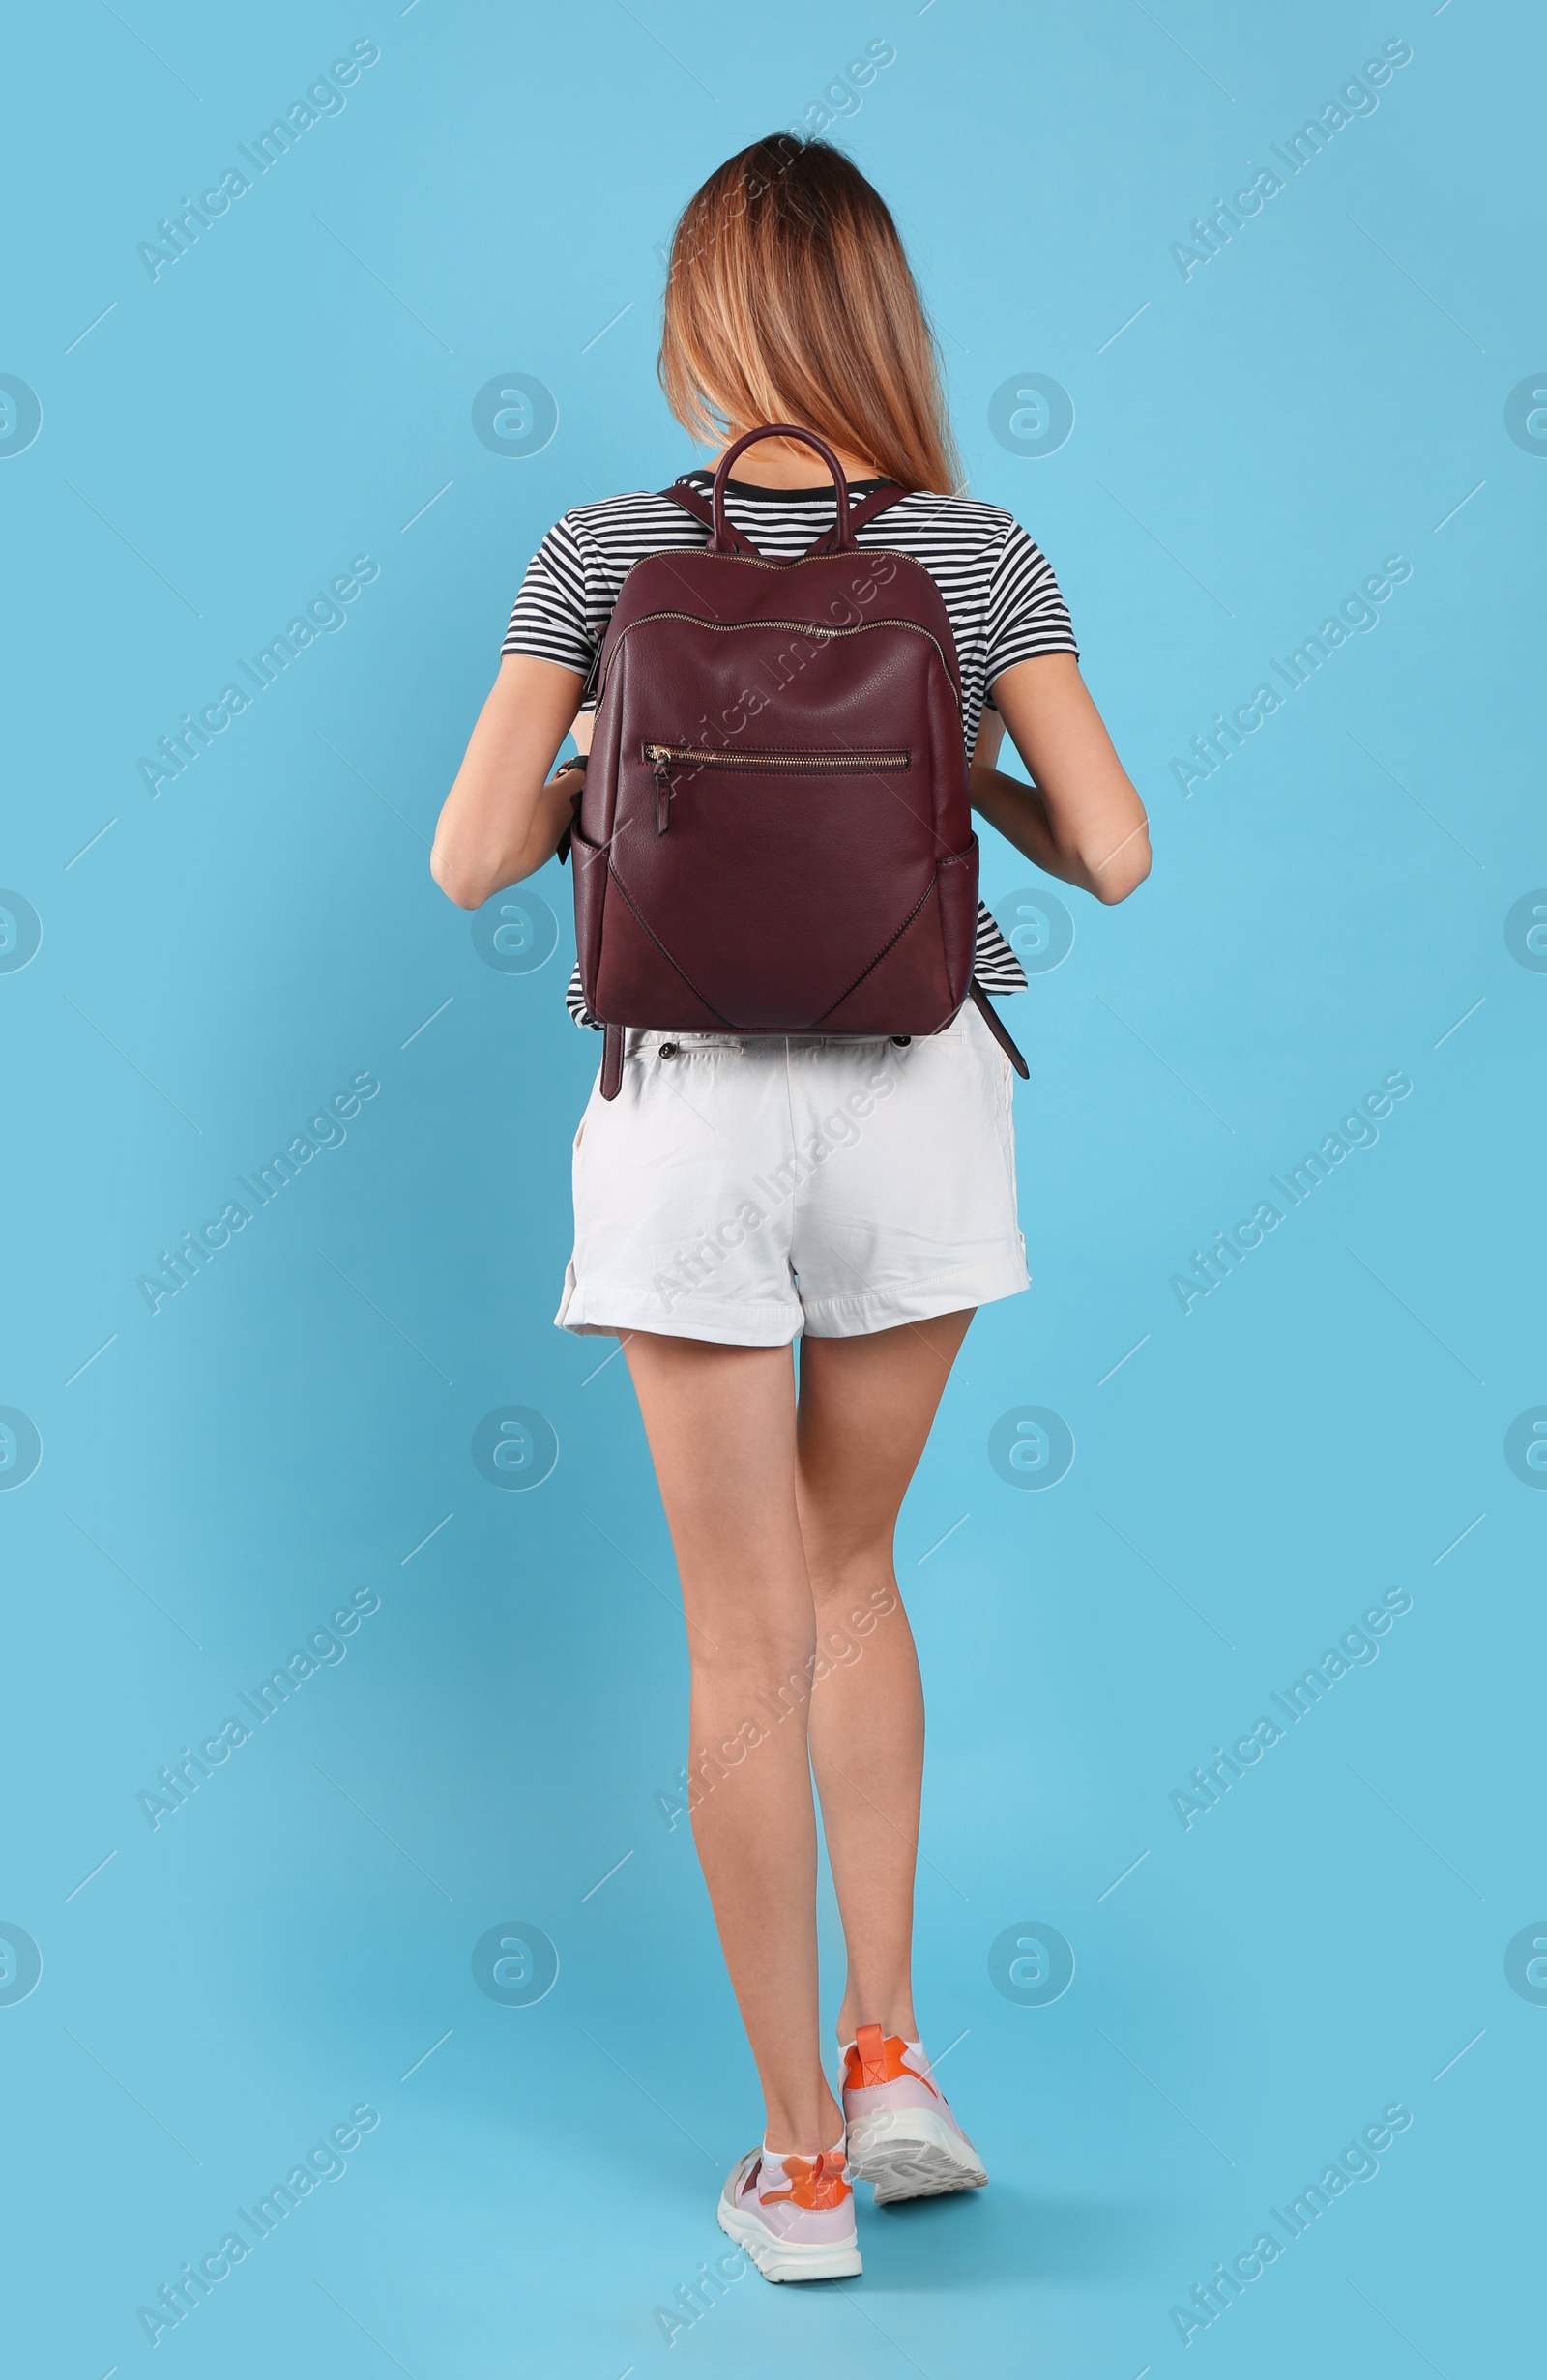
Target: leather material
611 1060
639 978
1000 1031
803 859
724 531
876 503
693 499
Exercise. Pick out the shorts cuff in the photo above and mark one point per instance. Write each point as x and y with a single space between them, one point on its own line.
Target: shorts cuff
918 1301
722 1323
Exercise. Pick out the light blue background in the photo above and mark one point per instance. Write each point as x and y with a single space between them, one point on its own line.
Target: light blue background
294 1425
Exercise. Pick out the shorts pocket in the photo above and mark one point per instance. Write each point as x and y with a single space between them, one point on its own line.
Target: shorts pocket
685 1045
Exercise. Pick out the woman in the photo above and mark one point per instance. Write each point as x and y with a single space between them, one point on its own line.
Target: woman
790 301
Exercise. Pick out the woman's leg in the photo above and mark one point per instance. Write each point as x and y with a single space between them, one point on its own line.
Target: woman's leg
866 1409
720 1421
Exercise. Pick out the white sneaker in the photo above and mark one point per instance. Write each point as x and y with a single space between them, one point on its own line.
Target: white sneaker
902 2136
792 2215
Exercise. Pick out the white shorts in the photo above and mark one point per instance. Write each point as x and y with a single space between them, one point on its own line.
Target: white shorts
745 1191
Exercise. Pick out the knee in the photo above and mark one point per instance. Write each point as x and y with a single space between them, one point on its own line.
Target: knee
752 1655
851 1603
844 1564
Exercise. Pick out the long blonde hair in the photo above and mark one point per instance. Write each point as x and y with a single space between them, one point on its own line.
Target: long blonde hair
790 299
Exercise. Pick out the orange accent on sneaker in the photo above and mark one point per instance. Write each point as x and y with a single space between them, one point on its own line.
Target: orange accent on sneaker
813 2183
870 2060
870 2052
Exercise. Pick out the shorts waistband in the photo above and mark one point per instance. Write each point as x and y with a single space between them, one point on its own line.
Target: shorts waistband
642 1042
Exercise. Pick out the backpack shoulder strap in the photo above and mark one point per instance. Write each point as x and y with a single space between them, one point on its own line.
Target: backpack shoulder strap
693 499
880 500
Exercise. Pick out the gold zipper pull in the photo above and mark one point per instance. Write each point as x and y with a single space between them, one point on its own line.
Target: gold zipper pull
659 757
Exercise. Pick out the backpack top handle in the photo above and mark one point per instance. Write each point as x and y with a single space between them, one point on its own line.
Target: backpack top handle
722 541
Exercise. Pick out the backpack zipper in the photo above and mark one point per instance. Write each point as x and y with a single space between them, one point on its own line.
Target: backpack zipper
754 758
815 628
664 757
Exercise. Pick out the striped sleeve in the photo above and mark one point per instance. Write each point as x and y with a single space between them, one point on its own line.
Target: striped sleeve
1026 614
994 962
574 999
552 617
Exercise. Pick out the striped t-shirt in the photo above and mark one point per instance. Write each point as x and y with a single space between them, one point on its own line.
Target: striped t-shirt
999 591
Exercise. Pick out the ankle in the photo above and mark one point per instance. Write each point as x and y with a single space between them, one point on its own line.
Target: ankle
787 2133
897 2017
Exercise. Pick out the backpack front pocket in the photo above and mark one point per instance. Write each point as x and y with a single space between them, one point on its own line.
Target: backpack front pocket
668 760
771 877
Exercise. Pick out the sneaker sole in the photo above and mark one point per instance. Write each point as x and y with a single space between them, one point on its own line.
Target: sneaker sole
911 2153
791 2259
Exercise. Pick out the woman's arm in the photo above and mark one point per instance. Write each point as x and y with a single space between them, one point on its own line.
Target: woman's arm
1079 817
501 820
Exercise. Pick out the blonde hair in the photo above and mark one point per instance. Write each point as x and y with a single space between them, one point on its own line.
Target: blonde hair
790 299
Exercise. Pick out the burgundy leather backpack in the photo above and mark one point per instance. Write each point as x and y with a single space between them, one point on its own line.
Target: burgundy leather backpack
775 835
